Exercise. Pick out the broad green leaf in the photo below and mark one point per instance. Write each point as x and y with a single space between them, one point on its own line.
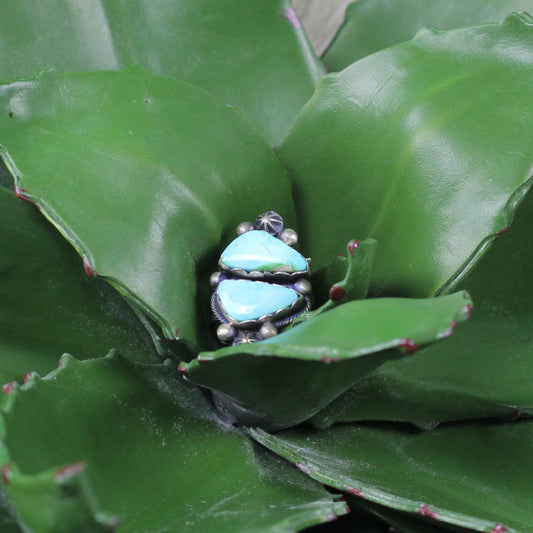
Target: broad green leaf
251 53
372 25
475 475
144 175
428 150
285 379
483 371
154 454
48 305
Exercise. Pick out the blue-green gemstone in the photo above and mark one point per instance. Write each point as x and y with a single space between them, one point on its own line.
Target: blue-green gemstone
243 299
258 250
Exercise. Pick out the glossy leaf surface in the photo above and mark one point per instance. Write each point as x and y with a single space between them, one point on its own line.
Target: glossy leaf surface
285 379
484 370
250 53
475 475
162 172
372 25
155 456
48 305
428 149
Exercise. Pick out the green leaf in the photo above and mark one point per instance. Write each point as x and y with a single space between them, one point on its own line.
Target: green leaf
483 371
163 171
348 277
475 475
285 379
48 305
251 53
429 149
154 455
372 25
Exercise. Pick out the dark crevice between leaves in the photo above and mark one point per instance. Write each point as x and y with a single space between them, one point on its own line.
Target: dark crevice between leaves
6 180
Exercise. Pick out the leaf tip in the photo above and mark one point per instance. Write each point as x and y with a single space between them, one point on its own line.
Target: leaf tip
498 528
290 14
328 360
336 293
425 510
355 492
90 270
352 246
6 474
409 345
304 468
7 388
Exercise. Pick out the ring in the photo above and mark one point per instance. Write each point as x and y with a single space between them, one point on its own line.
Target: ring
262 284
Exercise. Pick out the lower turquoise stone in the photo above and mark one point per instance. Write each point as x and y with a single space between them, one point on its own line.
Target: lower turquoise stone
249 300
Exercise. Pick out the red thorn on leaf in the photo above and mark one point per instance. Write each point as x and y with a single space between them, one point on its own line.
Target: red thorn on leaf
409 345
336 293
467 309
512 415
433 425
331 517
113 522
355 492
329 360
292 17
353 245
501 232
21 193
424 510
303 468
347 510
28 376
8 387
177 333
69 471
498 528
88 269
6 473
182 369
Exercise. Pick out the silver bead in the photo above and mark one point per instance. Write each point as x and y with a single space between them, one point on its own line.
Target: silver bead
289 236
214 279
302 286
225 333
244 227
268 330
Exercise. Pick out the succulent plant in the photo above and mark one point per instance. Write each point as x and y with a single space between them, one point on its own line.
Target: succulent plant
135 137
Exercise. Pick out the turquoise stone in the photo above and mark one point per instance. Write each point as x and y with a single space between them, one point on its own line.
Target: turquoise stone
243 299
258 250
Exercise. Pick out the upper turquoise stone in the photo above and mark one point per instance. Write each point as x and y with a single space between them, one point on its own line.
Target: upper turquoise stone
258 250
243 299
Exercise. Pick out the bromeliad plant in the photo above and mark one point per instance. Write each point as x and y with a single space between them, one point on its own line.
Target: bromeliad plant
407 175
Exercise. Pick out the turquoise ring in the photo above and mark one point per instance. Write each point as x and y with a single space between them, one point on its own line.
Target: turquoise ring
262 284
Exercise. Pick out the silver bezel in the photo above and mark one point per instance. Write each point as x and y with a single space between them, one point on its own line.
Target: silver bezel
282 276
